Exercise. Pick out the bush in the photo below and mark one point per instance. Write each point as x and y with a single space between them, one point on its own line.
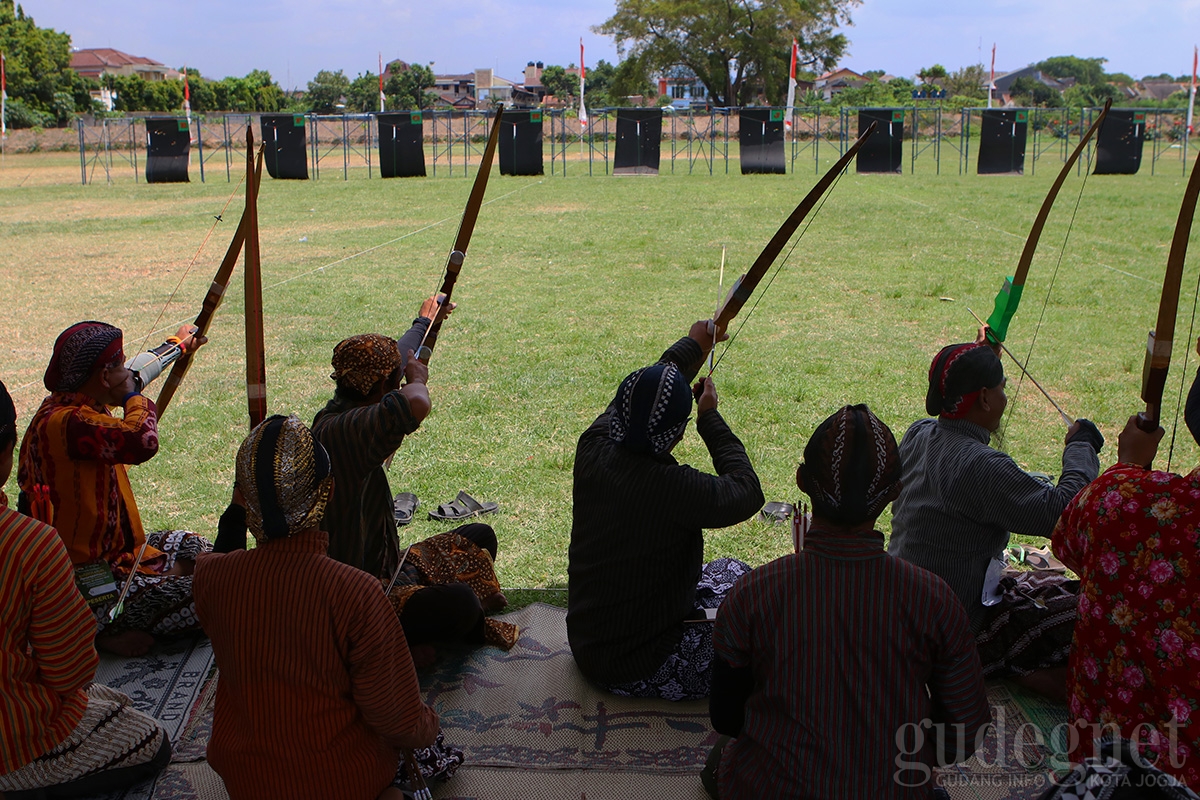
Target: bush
19 115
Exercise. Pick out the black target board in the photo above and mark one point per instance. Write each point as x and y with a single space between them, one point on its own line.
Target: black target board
881 152
1002 133
1119 142
639 136
286 147
168 150
760 140
520 143
401 145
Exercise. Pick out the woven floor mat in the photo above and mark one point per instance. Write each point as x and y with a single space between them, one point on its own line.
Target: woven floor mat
530 708
1015 760
490 783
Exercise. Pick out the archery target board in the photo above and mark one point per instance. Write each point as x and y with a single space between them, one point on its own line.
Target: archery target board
760 140
168 150
520 143
401 144
286 147
882 152
639 137
1002 136
1119 142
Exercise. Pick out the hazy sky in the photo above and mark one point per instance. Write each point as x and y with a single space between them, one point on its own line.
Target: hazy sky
294 39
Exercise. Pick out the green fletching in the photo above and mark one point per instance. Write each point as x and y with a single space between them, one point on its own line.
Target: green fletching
1007 301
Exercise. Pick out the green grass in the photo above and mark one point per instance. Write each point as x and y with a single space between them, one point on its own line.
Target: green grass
569 284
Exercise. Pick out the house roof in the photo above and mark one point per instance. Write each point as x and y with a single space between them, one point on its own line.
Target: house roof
841 72
93 62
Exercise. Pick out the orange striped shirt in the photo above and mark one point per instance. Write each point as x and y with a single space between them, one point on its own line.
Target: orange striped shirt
46 652
317 691
79 450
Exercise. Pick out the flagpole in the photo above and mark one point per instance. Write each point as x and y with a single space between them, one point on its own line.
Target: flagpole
992 79
1191 100
583 118
382 97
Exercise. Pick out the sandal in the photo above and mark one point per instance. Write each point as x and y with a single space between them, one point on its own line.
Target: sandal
1040 558
462 507
403 507
776 512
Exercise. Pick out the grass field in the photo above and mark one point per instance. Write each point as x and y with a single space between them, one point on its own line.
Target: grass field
570 283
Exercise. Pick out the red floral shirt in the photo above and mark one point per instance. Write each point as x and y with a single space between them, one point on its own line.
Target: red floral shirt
1132 537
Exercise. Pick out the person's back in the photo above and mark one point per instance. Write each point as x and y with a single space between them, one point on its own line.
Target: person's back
843 640
318 693
832 663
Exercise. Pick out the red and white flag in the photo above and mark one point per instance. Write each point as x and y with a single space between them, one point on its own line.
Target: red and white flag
187 95
583 120
791 98
382 96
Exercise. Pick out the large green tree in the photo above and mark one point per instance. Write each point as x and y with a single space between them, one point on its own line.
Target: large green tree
42 87
326 90
736 49
405 87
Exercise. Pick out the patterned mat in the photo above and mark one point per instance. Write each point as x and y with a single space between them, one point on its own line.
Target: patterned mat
1016 760
166 684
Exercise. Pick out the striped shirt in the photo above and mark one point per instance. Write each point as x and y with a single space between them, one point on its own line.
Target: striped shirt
961 499
359 439
637 539
317 692
77 449
842 641
46 652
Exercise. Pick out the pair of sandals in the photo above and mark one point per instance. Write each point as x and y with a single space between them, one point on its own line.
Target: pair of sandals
405 504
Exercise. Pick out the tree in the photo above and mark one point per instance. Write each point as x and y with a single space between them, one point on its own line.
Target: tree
1083 70
406 84
1027 91
325 92
930 75
735 49
38 66
557 82
363 93
967 82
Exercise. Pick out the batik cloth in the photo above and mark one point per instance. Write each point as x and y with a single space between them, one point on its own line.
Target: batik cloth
686 674
1133 537
438 761
159 604
451 558
283 475
1017 637
77 350
362 361
111 735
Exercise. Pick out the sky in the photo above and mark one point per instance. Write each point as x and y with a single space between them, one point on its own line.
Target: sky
294 39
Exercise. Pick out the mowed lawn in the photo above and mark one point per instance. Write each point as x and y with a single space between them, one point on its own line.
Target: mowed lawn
571 283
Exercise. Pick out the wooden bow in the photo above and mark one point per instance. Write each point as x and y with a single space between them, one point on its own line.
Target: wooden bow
217 289
256 360
745 285
1158 347
1009 296
466 227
